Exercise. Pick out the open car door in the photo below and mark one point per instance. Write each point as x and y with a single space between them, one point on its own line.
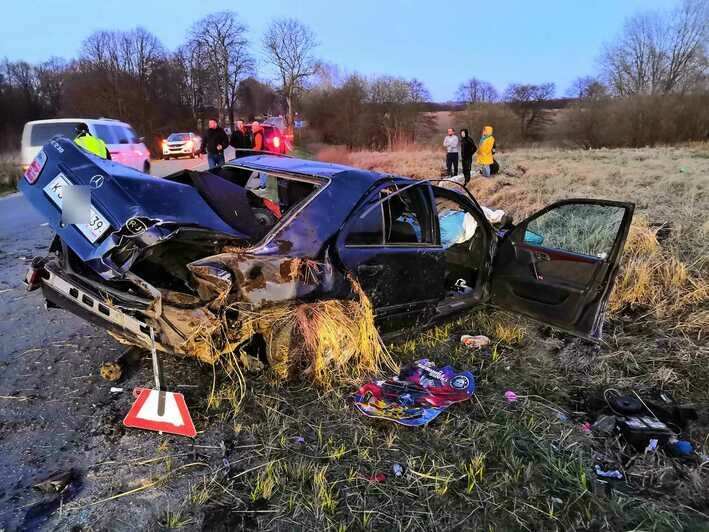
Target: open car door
558 266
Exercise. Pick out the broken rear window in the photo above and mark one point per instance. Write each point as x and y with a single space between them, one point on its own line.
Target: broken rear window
252 202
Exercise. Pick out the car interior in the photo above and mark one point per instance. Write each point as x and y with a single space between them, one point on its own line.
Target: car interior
463 241
249 201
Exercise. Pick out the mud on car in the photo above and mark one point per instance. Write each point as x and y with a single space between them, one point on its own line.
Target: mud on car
177 261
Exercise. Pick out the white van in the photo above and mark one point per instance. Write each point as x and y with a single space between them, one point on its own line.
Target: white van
121 140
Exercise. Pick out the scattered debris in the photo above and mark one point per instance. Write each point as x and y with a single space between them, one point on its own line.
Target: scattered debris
375 479
111 371
586 427
476 342
604 425
651 446
116 390
64 486
417 395
55 483
511 396
398 469
613 473
299 440
680 447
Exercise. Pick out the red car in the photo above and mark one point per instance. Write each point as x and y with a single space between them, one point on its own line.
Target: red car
275 141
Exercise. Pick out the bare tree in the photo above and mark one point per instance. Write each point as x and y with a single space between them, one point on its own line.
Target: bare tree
289 46
528 103
221 42
658 52
397 107
587 88
476 91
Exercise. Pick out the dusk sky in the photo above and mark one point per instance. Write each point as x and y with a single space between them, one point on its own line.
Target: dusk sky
442 42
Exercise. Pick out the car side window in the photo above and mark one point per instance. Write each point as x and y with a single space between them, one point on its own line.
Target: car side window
407 216
456 222
394 217
105 133
121 134
583 228
367 228
131 135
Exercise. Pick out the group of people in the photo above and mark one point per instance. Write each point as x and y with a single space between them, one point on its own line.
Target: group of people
465 145
215 140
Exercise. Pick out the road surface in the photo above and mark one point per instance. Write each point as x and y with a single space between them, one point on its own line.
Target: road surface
56 413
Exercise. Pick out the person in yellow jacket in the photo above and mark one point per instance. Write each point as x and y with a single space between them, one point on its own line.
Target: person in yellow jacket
90 143
486 148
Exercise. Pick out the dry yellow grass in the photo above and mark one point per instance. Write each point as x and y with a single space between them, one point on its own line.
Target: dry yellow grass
652 279
669 186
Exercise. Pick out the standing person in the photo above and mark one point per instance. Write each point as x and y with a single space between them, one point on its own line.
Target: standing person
485 150
214 141
240 138
257 136
467 149
90 143
450 143
259 145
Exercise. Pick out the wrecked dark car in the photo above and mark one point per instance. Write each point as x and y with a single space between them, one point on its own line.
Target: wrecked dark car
179 262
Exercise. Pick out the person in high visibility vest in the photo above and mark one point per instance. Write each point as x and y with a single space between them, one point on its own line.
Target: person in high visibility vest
90 143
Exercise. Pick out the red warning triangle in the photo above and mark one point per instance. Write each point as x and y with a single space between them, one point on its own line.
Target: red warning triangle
172 416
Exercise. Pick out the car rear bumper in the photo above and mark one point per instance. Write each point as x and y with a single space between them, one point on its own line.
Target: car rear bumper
59 289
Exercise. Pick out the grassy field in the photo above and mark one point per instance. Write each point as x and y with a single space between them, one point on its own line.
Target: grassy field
302 458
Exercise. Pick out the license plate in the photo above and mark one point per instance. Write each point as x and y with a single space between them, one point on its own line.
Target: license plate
97 225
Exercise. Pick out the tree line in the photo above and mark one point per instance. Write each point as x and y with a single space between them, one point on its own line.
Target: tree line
651 86
130 75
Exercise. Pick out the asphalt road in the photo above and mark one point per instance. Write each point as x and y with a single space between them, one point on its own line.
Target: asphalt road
56 413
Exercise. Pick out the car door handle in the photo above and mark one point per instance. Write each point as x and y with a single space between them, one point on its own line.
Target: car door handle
541 256
369 269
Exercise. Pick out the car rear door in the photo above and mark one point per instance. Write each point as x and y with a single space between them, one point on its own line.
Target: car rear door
390 247
558 265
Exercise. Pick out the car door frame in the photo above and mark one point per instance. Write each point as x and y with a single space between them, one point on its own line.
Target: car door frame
588 314
418 310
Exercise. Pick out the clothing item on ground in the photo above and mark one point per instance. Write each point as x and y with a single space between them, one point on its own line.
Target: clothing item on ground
418 395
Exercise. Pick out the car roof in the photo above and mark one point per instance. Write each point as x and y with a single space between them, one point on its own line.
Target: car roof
308 167
112 121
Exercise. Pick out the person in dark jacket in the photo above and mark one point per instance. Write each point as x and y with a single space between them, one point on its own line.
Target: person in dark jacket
214 141
467 149
240 138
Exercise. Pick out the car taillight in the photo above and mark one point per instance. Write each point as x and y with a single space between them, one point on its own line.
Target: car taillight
35 167
276 142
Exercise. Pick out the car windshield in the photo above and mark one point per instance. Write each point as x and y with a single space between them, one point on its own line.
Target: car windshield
178 137
41 133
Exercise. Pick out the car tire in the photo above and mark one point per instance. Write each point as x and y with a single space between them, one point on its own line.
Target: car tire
146 167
